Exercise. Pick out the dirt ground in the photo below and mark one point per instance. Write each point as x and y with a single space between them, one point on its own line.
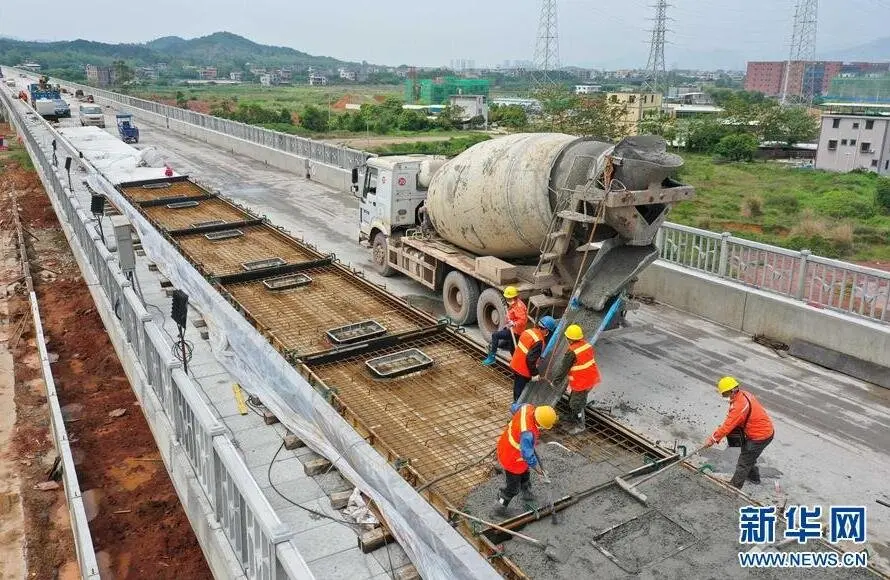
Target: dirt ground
139 528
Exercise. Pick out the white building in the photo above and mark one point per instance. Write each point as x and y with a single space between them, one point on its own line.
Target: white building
317 79
587 89
346 74
471 105
854 136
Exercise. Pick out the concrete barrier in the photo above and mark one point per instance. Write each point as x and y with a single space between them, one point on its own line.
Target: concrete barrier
754 311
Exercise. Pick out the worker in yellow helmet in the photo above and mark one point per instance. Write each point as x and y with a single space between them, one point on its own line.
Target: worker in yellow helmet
747 425
516 450
517 320
579 365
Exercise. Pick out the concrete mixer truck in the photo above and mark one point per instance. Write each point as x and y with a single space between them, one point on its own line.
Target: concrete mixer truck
545 212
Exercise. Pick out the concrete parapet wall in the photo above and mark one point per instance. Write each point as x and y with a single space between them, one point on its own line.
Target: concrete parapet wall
754 311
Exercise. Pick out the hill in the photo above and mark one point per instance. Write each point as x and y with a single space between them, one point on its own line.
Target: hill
877 50
224 50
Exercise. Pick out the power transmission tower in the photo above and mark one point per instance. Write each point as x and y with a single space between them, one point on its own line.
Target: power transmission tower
656 73
547 45
803 52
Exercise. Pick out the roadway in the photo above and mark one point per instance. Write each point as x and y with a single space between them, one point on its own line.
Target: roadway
832 444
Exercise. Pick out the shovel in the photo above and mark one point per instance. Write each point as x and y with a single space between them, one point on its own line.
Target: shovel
551 551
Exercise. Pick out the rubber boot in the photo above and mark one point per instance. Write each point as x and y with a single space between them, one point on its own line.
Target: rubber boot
754 475
501 508
489 360
578 428
527 493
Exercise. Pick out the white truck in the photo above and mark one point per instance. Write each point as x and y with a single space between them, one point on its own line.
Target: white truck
539 211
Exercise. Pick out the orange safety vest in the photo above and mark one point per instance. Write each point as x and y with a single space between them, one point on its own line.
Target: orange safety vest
509 450
584 374
527 340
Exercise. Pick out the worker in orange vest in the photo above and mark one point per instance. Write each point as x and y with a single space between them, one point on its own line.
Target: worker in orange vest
579 365
516 451
517 319
748 426
528 352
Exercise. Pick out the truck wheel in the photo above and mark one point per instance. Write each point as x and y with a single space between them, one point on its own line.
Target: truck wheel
491 311
460 294
378 254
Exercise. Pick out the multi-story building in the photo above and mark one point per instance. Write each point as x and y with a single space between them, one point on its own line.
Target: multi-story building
587 89
208 73
102 76
637 106
316 79
803 76
236 75
855 136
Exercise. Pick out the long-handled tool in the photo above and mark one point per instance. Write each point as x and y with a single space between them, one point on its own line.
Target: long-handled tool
545 477
551 551
640 496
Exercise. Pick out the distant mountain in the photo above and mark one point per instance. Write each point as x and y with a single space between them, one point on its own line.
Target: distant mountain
221 49
875 51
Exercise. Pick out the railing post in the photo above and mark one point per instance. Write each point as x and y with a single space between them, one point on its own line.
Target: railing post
659 240
802 275
724 254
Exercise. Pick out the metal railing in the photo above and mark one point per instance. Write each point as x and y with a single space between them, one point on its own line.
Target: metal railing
259 540
818 281
318 151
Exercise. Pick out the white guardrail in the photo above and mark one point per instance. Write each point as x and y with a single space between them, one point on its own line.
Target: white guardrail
257 536
817 281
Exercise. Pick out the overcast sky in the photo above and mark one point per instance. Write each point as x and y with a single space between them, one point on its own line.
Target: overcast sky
592 32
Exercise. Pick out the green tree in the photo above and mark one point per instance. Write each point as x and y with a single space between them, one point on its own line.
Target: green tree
788 125
704 134
314 119
737 147
512 116
450 117
566 112
660 124
123 73
181 100
413 121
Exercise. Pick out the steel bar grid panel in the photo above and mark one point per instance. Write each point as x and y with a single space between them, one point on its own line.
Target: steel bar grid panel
298 319
224 257
163 190
602 443
438 419
206 210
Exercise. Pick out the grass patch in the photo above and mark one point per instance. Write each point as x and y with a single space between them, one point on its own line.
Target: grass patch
830 214
451 147
18 155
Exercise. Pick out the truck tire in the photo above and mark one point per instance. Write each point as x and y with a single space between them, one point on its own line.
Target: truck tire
378 256
491 311
460 293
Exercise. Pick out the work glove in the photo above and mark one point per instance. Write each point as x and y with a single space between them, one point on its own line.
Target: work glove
710 441
536 378
568 390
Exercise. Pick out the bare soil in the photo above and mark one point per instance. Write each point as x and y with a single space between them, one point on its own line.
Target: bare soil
139 525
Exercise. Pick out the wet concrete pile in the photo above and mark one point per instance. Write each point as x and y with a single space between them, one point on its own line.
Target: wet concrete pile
689 530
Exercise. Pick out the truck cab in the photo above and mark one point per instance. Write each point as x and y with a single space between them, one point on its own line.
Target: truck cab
390 197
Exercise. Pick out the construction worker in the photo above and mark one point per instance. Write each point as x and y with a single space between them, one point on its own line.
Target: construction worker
517 319
579 364
748 426
516 451
528 352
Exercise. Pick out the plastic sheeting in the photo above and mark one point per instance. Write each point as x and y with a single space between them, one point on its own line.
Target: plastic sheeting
436 549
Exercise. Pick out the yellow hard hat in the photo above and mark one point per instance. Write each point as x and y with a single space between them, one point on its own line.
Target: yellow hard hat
510 292
726 384
545 416
574 332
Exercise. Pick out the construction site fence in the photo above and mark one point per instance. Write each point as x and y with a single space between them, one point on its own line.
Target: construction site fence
799 275
329 154
257 536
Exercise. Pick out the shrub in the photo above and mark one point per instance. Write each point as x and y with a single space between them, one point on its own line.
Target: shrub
882 194
752 207
844 204
787 203
740 147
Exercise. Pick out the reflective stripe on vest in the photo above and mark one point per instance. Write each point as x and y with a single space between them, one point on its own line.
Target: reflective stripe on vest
584 347
584 374
536 337
523 426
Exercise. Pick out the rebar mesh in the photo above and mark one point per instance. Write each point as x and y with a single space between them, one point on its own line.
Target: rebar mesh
173 189
206 210
298 318
225 257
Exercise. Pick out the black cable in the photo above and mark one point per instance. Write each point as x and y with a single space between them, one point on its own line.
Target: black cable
350 525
